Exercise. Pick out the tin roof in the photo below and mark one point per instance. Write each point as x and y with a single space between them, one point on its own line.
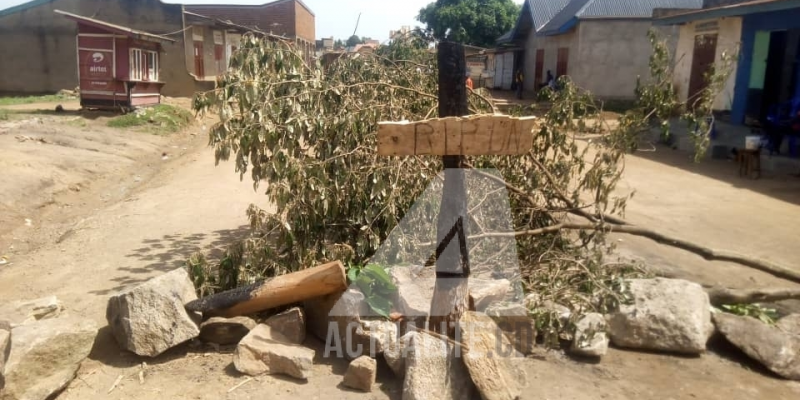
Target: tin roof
553 17
119 29
732 10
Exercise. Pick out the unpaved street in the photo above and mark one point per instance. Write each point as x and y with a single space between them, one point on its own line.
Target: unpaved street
184 204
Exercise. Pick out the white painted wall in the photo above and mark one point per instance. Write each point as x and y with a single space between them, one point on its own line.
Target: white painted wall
729 33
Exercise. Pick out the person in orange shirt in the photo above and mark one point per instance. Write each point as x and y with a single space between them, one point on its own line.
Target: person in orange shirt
469 82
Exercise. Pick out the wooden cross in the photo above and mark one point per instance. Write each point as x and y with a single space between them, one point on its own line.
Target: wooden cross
454 136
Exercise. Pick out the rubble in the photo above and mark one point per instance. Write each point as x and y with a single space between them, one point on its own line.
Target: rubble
330 317
361 373
226 331
590 337
265 350
776 347
151 318
434 371
492 362
26 311
290 323
45 355
670 315
380 333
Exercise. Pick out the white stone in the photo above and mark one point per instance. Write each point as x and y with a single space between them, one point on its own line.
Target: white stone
485 292
395 354
517 325
590 337
670 315
290 323
26 311
45 355
361 373
150 319
495 367
414 292
380 333
434 371
266 351
776 347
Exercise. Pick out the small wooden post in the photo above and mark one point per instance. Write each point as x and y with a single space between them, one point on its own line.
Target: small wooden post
451 296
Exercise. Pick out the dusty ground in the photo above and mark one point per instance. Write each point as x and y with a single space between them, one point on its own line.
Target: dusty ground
118 231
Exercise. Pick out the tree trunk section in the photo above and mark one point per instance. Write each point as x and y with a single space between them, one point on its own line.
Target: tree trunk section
450 297
279 291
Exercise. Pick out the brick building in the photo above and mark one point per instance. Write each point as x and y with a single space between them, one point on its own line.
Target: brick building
292 19
40 44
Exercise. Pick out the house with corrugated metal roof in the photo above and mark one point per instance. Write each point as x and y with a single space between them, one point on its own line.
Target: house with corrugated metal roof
41 45
767 36
601 45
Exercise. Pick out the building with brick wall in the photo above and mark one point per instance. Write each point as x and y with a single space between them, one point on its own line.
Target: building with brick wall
292 19
40 46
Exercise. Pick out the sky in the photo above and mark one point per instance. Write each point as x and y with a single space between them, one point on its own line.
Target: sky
337 18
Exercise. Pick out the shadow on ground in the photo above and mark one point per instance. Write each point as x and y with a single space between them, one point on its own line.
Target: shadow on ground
171 251
780 186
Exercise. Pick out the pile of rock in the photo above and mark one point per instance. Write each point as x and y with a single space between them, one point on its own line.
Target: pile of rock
38 336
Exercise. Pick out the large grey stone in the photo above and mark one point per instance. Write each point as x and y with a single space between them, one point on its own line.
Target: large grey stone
150 319
669 315
775 347
516 324
5 348
225 331
290 323
361 373
414 292
395 354
45 355
494 365
590 337
485 292
435 371
264 350
26 311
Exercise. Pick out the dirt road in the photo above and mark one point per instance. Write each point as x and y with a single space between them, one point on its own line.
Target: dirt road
185 203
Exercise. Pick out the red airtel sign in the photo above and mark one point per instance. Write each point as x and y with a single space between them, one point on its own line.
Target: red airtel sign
97 70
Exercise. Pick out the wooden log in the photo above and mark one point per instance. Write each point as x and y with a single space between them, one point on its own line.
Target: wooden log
279 291
450 296
723 296
468 136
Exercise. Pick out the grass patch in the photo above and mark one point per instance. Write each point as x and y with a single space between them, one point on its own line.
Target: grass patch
158 119
619 106
50 98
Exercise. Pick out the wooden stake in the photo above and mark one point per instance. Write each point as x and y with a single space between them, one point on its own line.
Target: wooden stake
450 296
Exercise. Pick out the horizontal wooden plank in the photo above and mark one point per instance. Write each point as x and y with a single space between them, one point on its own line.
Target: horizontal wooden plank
469 136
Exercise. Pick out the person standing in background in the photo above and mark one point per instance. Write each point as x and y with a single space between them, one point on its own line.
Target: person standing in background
519 78
469 83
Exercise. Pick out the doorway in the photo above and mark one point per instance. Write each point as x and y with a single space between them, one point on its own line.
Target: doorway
704 55
199 71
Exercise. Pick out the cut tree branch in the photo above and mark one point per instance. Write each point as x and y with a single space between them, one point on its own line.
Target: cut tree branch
724 296
705 252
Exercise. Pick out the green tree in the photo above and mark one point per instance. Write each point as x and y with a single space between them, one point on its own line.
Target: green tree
475 22
354 40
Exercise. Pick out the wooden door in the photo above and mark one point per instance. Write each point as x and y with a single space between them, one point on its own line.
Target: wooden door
198 60
705 51
562 63
538 74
